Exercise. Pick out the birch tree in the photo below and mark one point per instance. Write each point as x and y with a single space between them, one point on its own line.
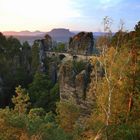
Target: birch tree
115 91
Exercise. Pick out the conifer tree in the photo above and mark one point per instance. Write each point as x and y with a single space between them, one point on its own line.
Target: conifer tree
21 100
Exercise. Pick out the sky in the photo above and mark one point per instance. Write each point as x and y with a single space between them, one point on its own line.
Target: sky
76 15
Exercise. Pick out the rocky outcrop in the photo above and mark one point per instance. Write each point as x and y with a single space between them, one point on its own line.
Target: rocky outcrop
47 42
74 86
82 43
43 45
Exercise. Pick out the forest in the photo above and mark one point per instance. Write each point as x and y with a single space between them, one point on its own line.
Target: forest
30 103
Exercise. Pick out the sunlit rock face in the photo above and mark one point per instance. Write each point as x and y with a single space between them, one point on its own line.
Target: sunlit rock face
74 85
82 43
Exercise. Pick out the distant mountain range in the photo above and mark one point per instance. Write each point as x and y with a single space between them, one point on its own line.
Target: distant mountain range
58 34
54 33
23 33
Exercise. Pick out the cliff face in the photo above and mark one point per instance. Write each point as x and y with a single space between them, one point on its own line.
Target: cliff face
44 45
82 43
74 85
45 64
47 42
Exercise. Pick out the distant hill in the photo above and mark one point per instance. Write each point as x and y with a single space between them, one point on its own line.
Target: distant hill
61 34
23 33
58 34
29 39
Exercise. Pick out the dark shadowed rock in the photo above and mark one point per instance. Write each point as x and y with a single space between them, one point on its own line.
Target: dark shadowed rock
82 43
44 45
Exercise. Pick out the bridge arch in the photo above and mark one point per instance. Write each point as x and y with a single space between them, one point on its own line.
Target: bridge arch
61 56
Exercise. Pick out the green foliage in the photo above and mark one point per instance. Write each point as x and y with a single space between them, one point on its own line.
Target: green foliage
117 92
51 133
70 114
78 66
35 57
34 112
123 132
54 97
15 64
42 126
137 28
118 39
39 90
21 100
115 88
43 93
60 47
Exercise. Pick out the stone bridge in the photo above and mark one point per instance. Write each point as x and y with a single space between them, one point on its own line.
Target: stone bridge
68 56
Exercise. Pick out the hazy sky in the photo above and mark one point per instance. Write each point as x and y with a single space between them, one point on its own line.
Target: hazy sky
73 14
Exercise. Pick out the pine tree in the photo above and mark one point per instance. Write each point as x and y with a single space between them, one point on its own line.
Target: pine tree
21 100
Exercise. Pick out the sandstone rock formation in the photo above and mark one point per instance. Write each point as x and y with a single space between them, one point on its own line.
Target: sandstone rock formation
44 45
82 43
74 86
